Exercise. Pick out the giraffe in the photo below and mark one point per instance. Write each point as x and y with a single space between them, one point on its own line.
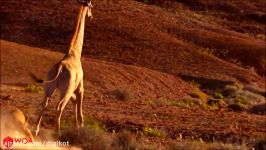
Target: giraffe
67 74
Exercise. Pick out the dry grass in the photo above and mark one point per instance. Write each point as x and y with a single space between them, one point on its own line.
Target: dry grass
34 89
185 102
95 139
122 94
230 90
214 104
197 93
255 89
87 138
244 96
126 141
197 145
258 109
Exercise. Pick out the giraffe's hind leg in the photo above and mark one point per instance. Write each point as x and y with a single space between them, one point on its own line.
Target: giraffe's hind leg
79 93
66 87
74 101
49 90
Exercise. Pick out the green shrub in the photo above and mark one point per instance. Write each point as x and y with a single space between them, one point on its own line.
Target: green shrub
186 102
34 89
194 83
252 98
93 123
64 124
218 95
88 122
197 93
212 105
148 131
239 99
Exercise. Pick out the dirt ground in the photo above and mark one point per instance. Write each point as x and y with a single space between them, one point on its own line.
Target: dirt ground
134 114
156 52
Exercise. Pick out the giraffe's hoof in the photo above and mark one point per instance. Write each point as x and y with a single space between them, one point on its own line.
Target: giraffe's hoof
36 133
59 134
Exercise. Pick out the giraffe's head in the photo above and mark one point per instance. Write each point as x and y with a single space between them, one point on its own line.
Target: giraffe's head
87 3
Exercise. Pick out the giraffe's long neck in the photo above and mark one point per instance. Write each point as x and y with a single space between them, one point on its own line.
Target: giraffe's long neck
75 48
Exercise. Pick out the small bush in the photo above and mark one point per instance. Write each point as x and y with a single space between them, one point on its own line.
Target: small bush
187 102
148 131
197 93
213 104
87 138
194 83
121 94
261 36
218 95
238 107
239 99
244 97
253 98
64 124
126 141
240 103
34 89
230 90
258 109
239 85
93 123
88 122
255 89
147 1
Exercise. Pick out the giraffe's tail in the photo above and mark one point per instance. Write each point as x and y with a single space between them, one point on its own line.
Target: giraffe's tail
36 79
